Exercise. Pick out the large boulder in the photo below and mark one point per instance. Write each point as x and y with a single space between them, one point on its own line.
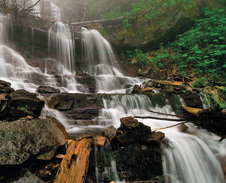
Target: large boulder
22 139
141 151
5 91
27 101
131 131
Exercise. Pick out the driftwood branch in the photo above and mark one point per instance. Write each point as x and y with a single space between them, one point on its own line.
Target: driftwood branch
156 129
151 117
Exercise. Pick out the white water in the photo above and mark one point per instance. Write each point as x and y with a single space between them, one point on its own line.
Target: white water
100 61
189 158
61 46
15 69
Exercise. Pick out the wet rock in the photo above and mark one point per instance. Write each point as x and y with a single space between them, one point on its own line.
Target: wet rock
109 132
131 131
156 137
137 149
16 174
76 106
52 101
192 100
29 101
134 160
22 139
183 128
5 87
222 160
27 177
53 66
47 89
17 113
137 89
4 108
88 81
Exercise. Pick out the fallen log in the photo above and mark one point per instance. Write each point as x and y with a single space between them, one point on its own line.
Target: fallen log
192 111
65 164
151 117
75 163
79 166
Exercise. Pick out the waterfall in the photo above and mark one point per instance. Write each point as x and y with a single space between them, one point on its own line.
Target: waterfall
99 61
61 46
189 157
15 69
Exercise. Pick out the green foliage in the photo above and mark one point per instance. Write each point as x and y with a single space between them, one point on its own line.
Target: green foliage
200 50
200 83
138 58
216 96
24 108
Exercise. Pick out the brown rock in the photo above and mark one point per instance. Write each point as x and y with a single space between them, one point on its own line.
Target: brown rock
99 140
52 101
183 128
47 89
137 89
131 131
109 132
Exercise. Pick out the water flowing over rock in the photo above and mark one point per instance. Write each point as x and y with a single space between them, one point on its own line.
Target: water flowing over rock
23 139
60 41
99 61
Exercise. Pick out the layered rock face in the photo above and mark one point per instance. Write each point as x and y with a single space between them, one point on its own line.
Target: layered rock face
18 104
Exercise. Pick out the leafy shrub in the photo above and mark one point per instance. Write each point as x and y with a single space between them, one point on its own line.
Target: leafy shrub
200 83
138 58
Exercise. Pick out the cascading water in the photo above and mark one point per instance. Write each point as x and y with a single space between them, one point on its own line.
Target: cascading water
61 46
99 61
189 157
15 69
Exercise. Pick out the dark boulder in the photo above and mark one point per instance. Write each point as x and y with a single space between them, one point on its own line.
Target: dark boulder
137 149
5 87
22 139
134 160
29 101
131 131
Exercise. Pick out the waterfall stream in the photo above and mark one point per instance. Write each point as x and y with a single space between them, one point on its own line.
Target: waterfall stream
190 157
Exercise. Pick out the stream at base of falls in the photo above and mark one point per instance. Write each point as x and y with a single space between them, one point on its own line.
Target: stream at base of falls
189 157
